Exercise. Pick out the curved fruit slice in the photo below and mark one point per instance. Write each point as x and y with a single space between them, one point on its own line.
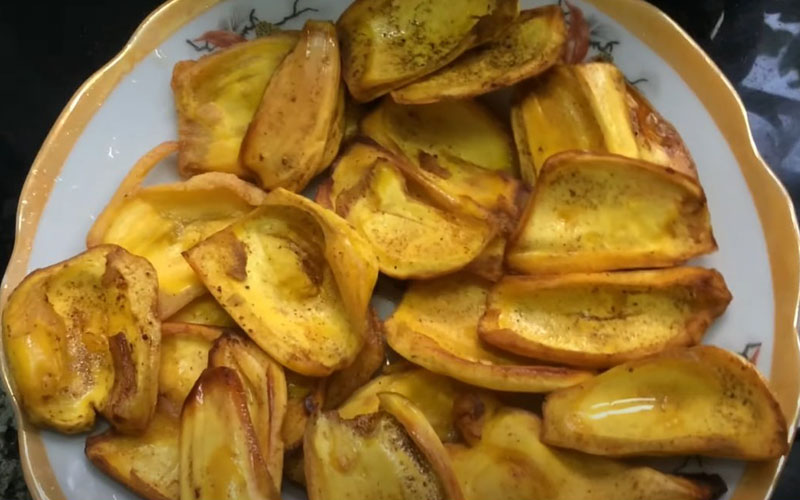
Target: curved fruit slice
372 456
529 46
657 139
510 462
602 212
217 465
597 111
424 436
411 237
603 319
386 44
458 152
433 394
436 327
159 222
216 98
306 397
372 357
203 310
147 463
83 336
265 387
296 131
465 131
701 400
296 278
184 356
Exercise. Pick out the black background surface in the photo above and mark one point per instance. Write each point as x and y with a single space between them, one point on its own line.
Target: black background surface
48 48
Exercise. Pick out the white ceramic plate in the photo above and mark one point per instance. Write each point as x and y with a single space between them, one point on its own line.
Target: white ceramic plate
127 108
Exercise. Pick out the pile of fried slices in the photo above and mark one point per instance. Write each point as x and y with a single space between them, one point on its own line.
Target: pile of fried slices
222 325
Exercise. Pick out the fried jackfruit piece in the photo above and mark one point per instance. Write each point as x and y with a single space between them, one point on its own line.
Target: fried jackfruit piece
600 320
203 310
411 237
184 356
218 465
529 46
296 131
147 463
433 394
306 397
265 387
159 222
380 455
389 43
700 400
426 439
343 383
436 326
465 131
602 212
82 336
458 152
297 278
597 111
216 98
509 462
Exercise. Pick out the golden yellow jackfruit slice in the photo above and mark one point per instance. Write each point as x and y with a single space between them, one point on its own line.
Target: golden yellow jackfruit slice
529 46
436 326
511 463
159 222
389 43
298 126
216 98
411 237
372 357
219 453
82 336
306 396
597 111
657 139
603 212
147 463
265 387
465 131
296 278
600 320
424 436
458 152
203 310
433 394
379 455
700 400
184 356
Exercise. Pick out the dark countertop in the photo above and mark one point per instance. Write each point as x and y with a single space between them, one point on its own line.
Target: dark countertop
50 47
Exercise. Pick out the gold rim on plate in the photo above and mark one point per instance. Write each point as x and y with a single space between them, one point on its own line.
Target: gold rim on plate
654 28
